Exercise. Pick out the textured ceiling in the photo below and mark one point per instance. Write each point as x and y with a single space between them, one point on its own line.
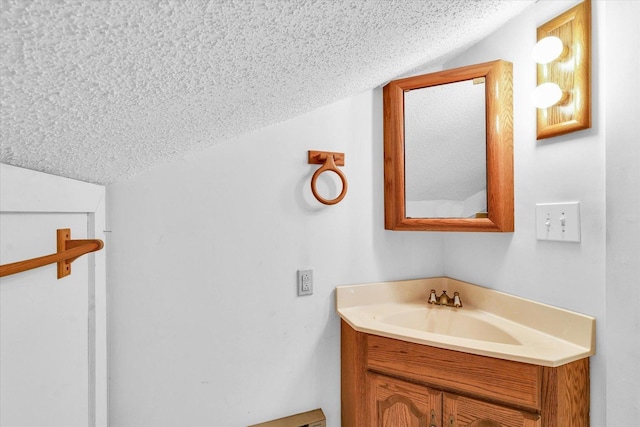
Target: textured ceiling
103 90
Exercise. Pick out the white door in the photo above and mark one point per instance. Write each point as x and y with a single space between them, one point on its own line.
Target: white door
52 332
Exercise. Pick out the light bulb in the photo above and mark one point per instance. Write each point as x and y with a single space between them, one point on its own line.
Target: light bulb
548 49
547 95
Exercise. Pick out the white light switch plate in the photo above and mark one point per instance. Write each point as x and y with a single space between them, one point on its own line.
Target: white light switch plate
558 221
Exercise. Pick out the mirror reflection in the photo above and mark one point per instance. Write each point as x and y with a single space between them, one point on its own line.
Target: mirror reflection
445 150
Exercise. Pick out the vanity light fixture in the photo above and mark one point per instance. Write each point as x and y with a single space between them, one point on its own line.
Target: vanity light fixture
547 95
563 56
548 49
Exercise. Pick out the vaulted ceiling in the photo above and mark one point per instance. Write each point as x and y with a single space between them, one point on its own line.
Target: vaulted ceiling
103 90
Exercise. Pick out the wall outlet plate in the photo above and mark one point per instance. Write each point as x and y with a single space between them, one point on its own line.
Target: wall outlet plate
305 282
559 222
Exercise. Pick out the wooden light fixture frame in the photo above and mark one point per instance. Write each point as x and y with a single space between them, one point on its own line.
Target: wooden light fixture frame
572 72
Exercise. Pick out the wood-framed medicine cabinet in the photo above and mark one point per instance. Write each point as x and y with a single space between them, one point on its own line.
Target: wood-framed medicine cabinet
466 142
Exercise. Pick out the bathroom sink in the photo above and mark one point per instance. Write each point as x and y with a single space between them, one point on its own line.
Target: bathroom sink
443 321
490 323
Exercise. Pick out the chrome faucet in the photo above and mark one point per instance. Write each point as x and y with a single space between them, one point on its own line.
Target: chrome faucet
444 299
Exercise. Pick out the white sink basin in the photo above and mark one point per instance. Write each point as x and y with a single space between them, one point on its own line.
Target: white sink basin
447 321
491 323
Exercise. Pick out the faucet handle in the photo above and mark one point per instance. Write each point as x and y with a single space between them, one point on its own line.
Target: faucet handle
432 297
456 300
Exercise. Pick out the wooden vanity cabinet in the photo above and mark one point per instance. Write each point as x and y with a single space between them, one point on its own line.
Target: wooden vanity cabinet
468 412
399 403
392 383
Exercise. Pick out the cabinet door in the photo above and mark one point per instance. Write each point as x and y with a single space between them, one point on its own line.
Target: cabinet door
396 403
459 411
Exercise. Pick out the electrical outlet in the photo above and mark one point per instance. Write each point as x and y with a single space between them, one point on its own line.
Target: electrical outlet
305 282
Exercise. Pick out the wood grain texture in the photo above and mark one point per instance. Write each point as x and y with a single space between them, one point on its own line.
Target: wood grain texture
393 135
315 157
500 146
499 107
478 390
571 72
313 418
460 411
353 377
401 404
566 395
503 381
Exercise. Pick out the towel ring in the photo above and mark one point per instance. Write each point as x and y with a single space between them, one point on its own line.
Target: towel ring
329 162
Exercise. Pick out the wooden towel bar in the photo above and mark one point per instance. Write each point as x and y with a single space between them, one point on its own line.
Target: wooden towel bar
68 251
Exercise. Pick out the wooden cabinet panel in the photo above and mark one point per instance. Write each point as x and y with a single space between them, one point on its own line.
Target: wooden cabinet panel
462 411
401 404
566 395
353 371
392 383
505 381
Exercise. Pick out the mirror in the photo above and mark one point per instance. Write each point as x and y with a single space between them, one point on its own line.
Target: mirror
448 142
445 171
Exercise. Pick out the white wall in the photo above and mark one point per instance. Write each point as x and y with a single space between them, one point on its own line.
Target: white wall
53 333
205 324
573 168
622 101
206 328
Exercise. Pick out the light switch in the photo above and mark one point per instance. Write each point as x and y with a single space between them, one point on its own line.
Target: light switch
558 221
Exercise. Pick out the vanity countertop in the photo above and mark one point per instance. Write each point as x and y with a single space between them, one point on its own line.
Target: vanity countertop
490 323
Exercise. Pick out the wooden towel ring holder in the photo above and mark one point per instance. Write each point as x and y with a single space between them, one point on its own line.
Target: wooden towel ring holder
330 162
